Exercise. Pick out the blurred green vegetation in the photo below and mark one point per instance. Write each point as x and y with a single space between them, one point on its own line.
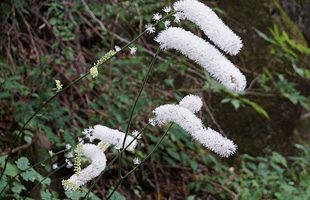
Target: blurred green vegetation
42 41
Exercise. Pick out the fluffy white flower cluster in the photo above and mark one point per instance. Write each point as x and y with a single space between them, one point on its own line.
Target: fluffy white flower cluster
110 136
201 51
210 24
95 153
183 115
98 164
204 54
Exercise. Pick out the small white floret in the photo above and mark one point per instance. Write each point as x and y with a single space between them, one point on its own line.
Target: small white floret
150 28
157 16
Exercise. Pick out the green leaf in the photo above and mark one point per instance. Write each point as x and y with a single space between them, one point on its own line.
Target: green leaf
30 175
256 107
192 197
3 182
17 188
22 163
10 170
278 158
79 194
116 195
45 194
193 164
173 153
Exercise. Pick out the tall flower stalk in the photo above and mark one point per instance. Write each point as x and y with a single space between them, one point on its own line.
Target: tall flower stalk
182 114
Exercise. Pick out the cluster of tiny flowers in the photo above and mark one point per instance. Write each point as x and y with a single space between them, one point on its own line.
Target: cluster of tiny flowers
104 58
58 85
94 69
201 51
210 24
183 115
77 158
108 137
98 164
204 54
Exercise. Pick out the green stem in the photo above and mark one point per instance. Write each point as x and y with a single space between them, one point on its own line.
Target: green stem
112 161
72 83
136 167
48 175
38 163
134 107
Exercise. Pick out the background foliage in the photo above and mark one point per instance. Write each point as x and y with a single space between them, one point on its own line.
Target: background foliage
46 40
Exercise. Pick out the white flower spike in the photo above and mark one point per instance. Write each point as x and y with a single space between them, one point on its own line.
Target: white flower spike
210 24
183 115
204 54
110 136
98 164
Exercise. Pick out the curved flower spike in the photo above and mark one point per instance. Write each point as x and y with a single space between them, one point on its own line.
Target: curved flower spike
110 136
204 54
98 164
184 116
210 23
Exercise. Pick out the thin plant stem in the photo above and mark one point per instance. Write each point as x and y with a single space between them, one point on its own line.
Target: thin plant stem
113 160
48 175
134 107
71 84
38 163
136 167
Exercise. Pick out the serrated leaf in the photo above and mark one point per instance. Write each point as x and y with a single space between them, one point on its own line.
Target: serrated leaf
22 163
116 195
30 175
45 194
17 188
10 170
